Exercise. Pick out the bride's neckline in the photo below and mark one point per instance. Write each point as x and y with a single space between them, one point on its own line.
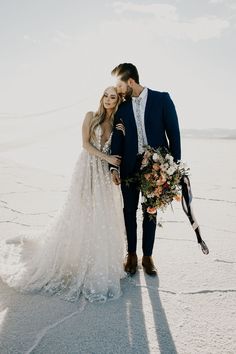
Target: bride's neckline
102 145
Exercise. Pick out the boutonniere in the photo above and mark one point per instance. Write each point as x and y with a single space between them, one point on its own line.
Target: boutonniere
120 126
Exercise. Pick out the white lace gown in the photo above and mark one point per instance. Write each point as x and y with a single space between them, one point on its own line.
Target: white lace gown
82 250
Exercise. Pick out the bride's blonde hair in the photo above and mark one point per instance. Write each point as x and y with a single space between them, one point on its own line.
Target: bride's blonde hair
100 115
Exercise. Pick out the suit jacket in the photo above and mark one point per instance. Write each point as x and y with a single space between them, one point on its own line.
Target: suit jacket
161 125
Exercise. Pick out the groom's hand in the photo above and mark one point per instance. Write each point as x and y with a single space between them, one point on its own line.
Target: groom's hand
115 177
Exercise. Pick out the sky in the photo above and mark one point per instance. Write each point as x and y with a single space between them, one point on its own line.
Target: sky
57 55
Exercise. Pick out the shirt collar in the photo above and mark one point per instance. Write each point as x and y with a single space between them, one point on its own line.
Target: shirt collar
142 95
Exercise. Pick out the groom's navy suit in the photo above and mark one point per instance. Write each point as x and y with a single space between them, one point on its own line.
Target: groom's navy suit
162 129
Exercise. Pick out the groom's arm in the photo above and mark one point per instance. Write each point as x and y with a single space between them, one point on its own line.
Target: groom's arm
117 141
172 127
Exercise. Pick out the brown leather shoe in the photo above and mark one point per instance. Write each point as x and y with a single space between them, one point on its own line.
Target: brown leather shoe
148 265
131 263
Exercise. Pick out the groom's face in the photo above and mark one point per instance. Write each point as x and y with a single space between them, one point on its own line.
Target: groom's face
123 88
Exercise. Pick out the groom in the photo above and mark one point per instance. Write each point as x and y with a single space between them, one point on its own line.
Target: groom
145 117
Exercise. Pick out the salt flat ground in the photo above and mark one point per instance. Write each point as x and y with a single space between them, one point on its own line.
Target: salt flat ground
189 308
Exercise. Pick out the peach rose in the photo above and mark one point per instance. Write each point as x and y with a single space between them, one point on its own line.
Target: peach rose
151 210
156 167
177 198
158 191
147 176
161 180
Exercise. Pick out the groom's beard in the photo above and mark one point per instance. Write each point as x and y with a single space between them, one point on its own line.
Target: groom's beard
128 93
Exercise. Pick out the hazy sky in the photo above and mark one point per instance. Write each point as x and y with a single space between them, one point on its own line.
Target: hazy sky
57 52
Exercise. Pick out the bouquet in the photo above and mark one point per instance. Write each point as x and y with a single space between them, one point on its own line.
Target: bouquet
159 179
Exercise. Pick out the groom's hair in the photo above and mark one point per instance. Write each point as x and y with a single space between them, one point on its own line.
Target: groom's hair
126 71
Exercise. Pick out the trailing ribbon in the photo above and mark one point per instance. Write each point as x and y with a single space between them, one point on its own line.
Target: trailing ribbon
186 200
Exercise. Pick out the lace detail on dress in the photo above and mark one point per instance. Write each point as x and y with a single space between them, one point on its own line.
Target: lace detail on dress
81 251
98 142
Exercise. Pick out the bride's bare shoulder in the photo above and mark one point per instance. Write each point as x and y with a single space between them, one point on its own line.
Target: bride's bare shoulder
88 116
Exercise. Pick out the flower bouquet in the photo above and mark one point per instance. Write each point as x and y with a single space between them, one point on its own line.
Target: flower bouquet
159 179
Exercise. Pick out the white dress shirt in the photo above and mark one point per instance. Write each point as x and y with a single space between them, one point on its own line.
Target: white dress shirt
139 105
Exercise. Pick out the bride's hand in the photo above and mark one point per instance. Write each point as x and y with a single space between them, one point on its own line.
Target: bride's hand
114 160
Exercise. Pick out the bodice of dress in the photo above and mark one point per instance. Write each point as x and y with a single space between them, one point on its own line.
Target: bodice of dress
98 141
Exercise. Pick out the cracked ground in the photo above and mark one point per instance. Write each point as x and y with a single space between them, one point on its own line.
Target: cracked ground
189 308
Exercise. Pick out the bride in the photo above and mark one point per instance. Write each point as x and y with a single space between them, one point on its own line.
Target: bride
81 251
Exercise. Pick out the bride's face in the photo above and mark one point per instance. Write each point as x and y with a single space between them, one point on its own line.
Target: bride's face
110 98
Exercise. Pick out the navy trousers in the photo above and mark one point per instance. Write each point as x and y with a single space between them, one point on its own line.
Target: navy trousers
131 195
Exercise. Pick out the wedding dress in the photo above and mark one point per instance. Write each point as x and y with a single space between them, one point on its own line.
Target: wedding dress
81 251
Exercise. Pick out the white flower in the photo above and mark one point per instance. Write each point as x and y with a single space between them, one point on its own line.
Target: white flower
171 170
182 165
144 199
155 157
166 166
168 156
161 160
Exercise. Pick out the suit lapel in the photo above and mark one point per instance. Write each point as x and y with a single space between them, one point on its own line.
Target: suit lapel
131 115
132 123
147 114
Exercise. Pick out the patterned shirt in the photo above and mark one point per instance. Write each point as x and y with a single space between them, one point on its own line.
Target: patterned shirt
139 105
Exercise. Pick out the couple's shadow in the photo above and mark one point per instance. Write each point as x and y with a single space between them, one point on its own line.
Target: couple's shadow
134 323
147 309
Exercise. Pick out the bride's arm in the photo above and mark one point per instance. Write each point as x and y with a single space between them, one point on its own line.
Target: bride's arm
89 147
